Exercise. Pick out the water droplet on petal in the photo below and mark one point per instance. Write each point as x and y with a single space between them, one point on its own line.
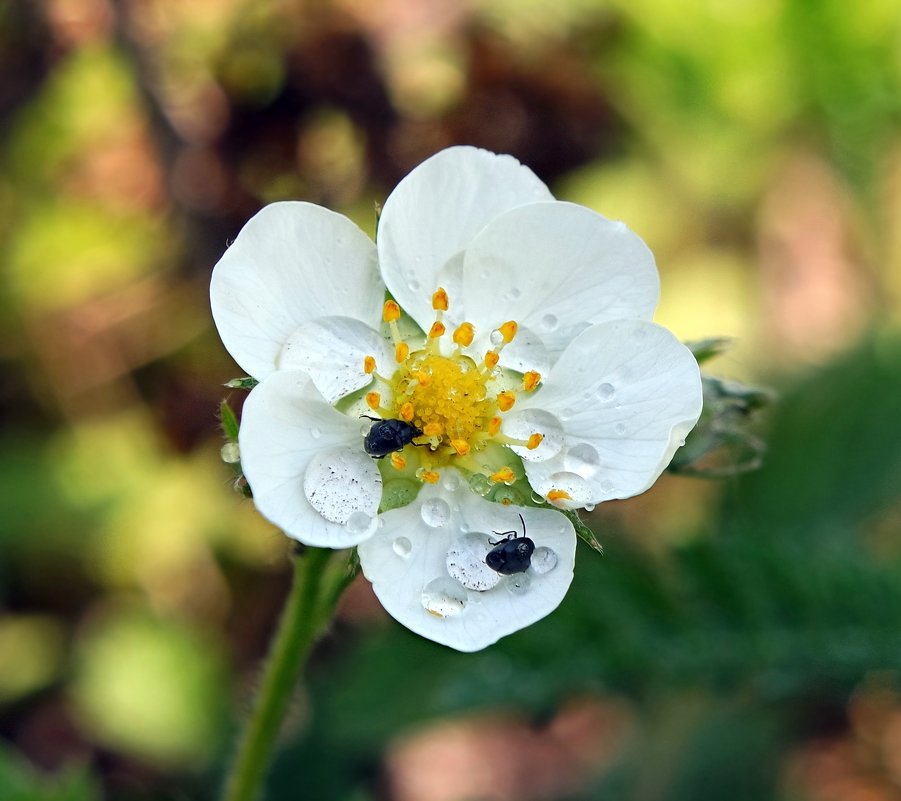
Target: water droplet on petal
496 337
450 480
544 560
479 483
576 487
606 392
402 547
583 459
340 482
521 425
549 323
435 512
515 293
413 286
465 562
608 487
360 523
536 498
620 429
443 597
589 507
364 429
315 432
518 584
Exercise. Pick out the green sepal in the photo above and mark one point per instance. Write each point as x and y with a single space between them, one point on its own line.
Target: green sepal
705 349
228 421
241 383
583 531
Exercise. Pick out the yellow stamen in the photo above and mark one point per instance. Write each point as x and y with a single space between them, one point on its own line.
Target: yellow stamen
398 460
494 425
424 379
508 331
439 300
391 311
530 380
505 401
461 446
491 358
558 495
534 441
406 411
437 330
401 351
503 476
369 365
433 429
464 334
430 476
373 400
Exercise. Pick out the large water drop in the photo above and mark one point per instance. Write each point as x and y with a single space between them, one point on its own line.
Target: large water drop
443 597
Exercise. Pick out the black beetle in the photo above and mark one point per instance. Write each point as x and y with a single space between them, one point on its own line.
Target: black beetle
511 555
387 436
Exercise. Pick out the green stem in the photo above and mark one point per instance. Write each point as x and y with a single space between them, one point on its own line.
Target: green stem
302 619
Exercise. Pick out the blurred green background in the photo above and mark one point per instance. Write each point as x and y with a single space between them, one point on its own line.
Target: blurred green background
740 639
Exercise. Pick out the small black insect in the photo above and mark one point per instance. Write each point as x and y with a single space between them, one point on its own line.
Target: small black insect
512 554
387 436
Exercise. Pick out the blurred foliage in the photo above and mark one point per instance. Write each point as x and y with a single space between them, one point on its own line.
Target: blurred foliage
742 626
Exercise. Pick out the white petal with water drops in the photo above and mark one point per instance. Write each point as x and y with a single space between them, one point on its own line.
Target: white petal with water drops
291 262
419 584
286 427
522 424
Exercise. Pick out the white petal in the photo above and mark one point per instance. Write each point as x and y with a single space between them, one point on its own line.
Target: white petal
407 562
434 213
295 447
555 268
627 392
291 262
331 350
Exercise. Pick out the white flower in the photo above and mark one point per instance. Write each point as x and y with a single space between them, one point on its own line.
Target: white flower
538 358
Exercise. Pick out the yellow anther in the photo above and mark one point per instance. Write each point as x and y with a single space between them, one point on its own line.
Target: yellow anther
494 425
424 379
430 476
464 334
491 359
558 495
439 300
407 411
398 460
534 441
505 401
433 429
437 330
503 476
461 446
373 400
401 351
508 331
391 311
369 365
531 380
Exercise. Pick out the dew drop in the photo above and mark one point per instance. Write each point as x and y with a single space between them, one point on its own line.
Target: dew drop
536 498
479 483
515 293
544 560
496 337
451 480
359 523
518 584
315 432
521 425
435 512
606 392
607 487
582 459
578 489
402 547
230 453
413 286
364 429
443 597
589 507
465 562
549 323
620 428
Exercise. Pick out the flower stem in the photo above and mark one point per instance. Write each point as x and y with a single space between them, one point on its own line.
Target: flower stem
308 609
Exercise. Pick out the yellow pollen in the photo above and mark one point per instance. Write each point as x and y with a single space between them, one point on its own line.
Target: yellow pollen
401 351
494 425
407 411
424 379
433 429
430 476
534 441
508 331
461 446
437 330
558 495
530 380
491 358
398 460
369 365
503 476
439 300
505 401
464 334
373 400
391 311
